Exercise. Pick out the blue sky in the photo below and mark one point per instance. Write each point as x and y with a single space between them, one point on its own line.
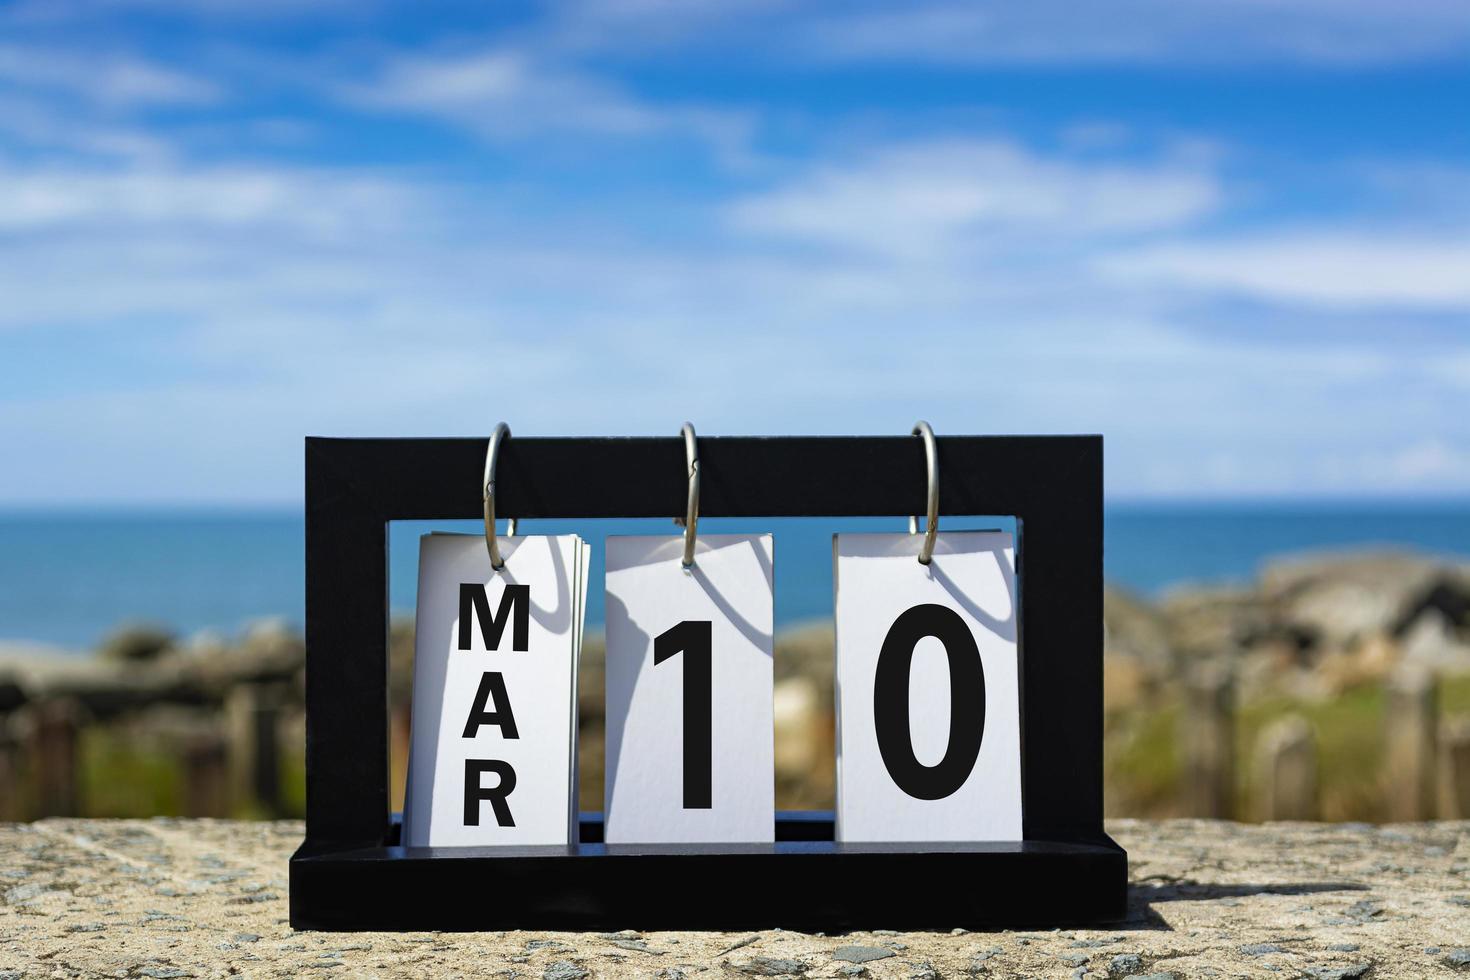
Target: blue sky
1232 237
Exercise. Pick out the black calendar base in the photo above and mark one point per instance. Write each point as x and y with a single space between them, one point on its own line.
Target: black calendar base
804 881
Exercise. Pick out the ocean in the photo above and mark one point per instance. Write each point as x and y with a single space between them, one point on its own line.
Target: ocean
68 578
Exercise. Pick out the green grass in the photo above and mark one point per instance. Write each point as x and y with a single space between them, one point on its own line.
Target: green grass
1454 697
293 785
1349 735
1141 761
1145 769
121 779
125 777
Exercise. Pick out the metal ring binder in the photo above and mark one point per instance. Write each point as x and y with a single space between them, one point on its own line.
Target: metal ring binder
691 508
502 431
931 522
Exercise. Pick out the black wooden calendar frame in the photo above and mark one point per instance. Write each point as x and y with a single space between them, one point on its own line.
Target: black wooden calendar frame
351 872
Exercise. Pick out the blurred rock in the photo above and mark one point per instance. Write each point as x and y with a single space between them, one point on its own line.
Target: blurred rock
1205 621
797 711
136 643
807 651
104 687
122 678
1135 629
1125 682
400 660
1367 661
270 651
1448 595
1340 597
1376 570
11 695
1377 655
1433 641
1137 653
1317 625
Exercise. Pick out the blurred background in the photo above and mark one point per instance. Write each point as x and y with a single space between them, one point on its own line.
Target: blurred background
1230 236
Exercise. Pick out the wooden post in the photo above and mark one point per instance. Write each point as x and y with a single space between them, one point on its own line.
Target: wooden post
54 735
254 714
1286 771
1410 719
206 775
12 798
1454 769
1207 733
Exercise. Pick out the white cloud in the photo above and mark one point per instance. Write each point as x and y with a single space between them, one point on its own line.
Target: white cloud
947 279
44 12
503 93
282 333
961 32
928 199
103 77
1200 32
1454 369
1196 33
318 202
1431 462
31 123
1348 270
1428 466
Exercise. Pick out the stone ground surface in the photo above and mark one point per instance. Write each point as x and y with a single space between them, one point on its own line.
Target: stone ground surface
173 898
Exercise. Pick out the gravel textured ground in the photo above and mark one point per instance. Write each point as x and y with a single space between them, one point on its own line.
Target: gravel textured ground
199 898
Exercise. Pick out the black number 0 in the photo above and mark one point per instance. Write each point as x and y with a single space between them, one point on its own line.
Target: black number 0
891 702
692 638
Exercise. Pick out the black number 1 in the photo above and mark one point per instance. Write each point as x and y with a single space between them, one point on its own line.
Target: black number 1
692 637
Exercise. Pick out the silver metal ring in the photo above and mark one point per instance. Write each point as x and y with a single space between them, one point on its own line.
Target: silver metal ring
691 513
931 456
502 431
